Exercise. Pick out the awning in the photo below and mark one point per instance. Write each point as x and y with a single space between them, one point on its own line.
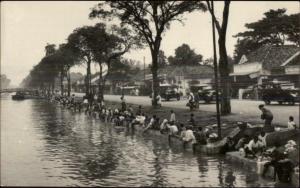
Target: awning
244 73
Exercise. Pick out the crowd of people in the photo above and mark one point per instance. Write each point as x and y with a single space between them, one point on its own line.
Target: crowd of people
283 159
249 146
187 131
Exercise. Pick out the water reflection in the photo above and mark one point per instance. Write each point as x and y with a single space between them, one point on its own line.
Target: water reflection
71 149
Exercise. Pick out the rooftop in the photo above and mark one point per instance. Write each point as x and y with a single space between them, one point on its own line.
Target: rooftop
190 72
272 56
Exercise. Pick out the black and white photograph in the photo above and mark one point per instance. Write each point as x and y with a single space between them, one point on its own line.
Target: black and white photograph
150 93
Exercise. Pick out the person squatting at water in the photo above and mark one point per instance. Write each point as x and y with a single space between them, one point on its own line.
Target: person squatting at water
118 117
283 166
191 134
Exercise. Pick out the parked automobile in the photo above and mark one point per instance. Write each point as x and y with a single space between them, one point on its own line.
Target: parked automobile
273 92
204 92
168 91
208 95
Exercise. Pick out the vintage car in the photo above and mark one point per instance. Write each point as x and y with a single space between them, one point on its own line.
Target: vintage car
168 91
273 92
205 93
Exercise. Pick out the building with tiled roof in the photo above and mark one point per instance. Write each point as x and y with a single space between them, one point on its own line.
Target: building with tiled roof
183 76
268 63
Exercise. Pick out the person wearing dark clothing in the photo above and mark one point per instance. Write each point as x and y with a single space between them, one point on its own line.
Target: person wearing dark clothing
192 120
268 117
229 146
276 155
123 104
200 136
139 111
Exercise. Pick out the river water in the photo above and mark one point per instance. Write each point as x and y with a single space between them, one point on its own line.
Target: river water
43 144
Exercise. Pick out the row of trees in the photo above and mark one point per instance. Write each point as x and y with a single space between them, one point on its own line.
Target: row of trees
141 23
97 44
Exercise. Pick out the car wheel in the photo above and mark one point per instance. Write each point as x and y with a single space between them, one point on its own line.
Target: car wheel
267 102
178 98
280 102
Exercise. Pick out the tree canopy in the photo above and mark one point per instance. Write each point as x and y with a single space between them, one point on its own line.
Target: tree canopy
184 55
149 20
276 27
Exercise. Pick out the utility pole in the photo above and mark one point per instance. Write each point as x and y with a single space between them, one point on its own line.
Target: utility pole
216 72
144 70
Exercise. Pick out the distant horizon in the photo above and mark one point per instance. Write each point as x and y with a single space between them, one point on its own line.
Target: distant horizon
26 28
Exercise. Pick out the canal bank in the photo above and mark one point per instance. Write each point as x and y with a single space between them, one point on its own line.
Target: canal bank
281 137
44 144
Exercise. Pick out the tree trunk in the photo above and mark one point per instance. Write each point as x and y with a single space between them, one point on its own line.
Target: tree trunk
103 89
88 79
100 89
224 76
69 83
155 80
62 83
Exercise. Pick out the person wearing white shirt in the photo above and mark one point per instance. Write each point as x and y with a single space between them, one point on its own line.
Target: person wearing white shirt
254 146
151 123
172 118
191 97
262 138
189 136
158 98
173 129
163 126
141 119
291 123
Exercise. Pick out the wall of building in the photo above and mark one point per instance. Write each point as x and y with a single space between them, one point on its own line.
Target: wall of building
247 67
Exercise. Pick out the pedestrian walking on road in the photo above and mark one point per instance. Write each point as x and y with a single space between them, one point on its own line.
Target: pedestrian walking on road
268 117
158 98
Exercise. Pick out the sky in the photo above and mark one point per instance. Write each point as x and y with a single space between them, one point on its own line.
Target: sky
27 27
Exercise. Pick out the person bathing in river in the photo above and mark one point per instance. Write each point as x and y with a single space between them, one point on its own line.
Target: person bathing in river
229 146
164 126
139 119
182 131
173 130
189 137
151 123
200 136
